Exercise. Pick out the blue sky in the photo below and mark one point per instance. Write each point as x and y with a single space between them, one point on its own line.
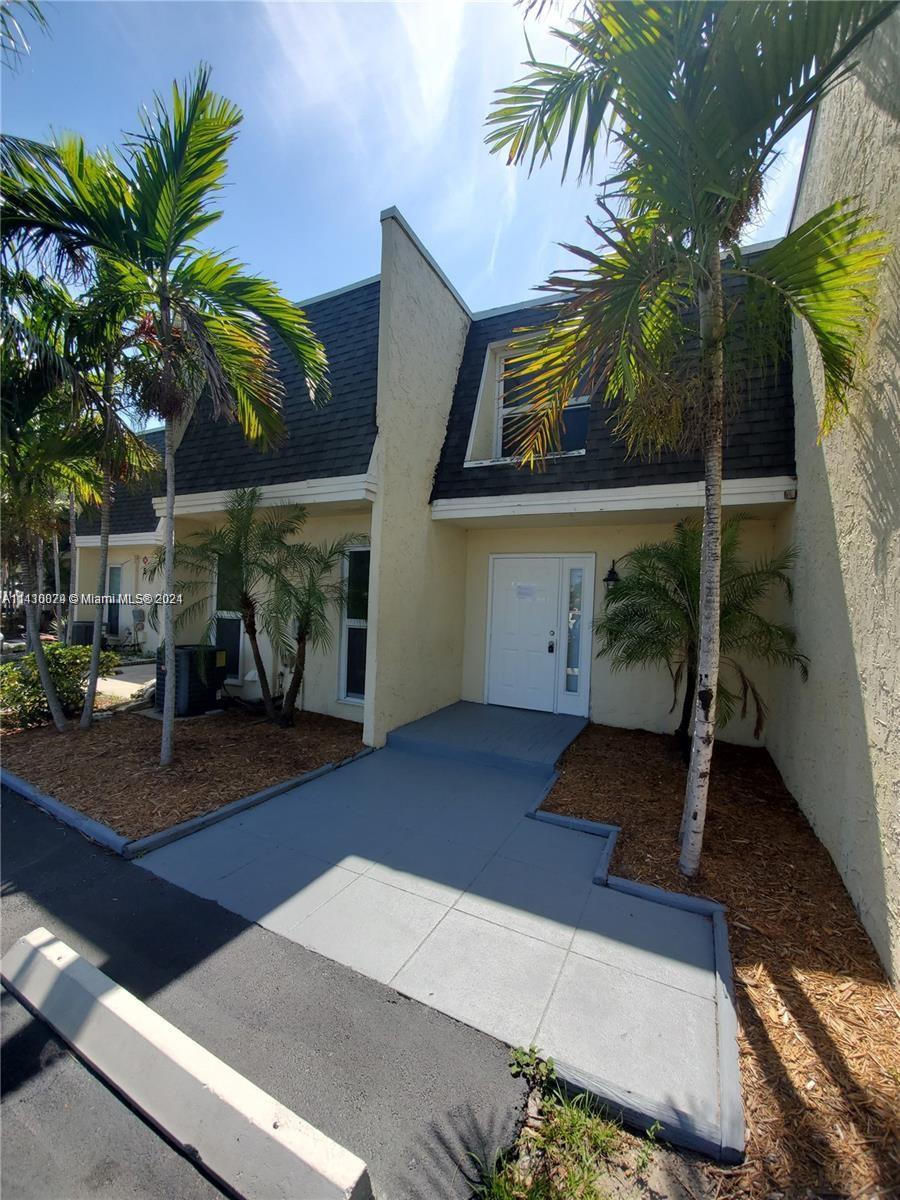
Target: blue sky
348 108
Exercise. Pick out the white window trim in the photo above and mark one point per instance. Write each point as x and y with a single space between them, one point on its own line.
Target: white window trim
215 614
349 623
110 567
490 392
506 462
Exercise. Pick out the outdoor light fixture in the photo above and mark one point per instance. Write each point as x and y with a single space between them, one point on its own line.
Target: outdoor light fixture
611 578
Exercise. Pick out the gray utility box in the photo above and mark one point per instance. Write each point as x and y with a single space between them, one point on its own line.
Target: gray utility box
199 675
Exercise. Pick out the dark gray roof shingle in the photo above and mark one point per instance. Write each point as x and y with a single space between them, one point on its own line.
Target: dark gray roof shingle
759 440
336 439
132 508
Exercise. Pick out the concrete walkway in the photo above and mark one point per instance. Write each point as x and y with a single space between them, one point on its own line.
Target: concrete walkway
420 867
127 681
418 1096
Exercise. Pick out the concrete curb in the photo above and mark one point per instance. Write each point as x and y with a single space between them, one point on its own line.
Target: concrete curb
93 830
640 1112
601 871
254 1145
153 841
731 1101
580 825
695 904
129 848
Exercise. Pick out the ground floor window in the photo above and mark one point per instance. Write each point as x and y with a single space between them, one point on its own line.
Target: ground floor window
113 588
354 634
229 628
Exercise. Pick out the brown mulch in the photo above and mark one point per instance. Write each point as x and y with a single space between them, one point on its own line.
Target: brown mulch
819 1023
111 772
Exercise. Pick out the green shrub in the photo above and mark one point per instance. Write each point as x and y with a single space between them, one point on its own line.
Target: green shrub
22 698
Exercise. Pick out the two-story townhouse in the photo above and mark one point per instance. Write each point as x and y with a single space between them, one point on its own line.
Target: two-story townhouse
480 578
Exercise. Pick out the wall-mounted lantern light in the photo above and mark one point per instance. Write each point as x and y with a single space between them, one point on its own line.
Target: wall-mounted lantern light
611 578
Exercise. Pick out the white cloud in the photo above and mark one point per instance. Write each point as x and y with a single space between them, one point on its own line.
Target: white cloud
400 91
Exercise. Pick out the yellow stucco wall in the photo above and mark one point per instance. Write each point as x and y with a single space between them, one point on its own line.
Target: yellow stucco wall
637 699
417 584
134 580
837 742
322 686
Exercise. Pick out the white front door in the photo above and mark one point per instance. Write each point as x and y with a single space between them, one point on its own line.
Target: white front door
539 643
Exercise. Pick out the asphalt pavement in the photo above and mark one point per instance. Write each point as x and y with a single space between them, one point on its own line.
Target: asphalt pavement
420 1097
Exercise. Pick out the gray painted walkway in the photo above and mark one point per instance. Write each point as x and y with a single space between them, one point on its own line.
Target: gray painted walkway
423 871
418 1096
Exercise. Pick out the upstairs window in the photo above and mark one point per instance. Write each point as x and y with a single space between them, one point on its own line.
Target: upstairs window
573 426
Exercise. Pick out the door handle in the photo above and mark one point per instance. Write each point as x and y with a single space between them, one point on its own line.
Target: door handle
551 647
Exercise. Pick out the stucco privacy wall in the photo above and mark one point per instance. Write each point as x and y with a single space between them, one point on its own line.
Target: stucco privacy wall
322 684
134 580
837 742
417 574
636 699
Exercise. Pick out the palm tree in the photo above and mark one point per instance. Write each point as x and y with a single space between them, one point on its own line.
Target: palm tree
48 444
212 321
44 450
250 563
101 333
652 618
13 39
306 605
696 98
79 341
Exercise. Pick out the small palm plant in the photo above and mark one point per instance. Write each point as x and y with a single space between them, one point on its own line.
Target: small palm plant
652 618
307 604
253 547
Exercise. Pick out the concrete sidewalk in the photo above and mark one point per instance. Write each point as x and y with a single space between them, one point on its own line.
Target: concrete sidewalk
421 869
413 1093
127 681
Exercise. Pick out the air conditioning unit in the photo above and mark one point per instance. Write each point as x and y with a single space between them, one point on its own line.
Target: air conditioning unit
199 675
82 633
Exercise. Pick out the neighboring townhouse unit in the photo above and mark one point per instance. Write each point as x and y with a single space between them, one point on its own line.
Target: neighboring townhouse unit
480 578
837 741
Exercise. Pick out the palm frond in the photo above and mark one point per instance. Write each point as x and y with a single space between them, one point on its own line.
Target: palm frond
178 162
826 270
616 330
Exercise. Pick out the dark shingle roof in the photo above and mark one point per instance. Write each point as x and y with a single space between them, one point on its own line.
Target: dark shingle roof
759 441
132 508
336 439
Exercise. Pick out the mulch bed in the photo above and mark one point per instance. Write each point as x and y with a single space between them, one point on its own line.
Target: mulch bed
819 1023
111 772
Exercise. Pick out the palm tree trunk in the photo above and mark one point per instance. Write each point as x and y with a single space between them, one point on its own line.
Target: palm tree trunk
711 331
87 712
249 619
32 625
290 696
73 564
57 606
682 733
168 721
33 636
